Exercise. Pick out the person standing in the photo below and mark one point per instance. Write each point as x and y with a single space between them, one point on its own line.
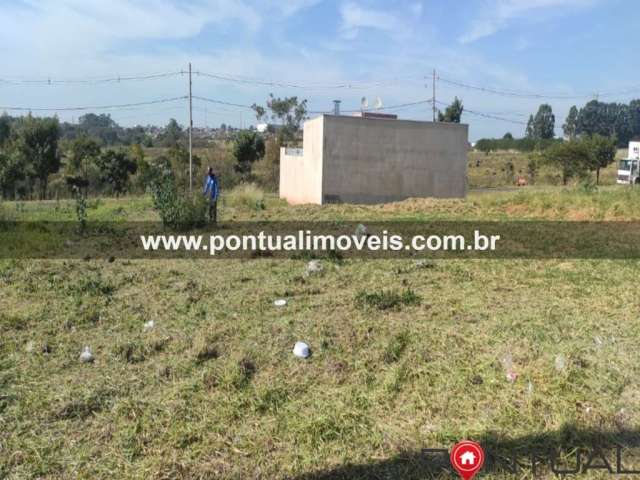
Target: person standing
211 192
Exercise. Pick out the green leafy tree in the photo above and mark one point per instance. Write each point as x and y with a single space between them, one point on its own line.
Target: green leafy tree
453 113
173 134
603 153
99 126
507 136
83 151
115 168
573 158
37 144
530 132
544 123
570 126
248 148
259 111
12 172
5 129
290 111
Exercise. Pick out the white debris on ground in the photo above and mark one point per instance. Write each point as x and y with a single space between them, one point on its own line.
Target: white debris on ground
281 302
560 362
150 325
314 266
301 350
29 346
511 376
86 356
507 363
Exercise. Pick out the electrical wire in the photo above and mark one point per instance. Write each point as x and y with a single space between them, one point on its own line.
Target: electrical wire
486 115
532 95
89 81
99 107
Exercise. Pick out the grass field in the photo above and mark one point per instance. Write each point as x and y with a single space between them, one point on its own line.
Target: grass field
213 391
492 170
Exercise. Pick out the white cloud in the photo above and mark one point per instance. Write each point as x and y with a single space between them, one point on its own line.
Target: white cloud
356 17
290 7
497 14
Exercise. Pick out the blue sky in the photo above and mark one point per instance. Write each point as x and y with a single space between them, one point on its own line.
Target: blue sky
381 49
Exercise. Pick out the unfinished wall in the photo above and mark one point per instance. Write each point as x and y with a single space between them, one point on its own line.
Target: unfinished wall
301 175
375 161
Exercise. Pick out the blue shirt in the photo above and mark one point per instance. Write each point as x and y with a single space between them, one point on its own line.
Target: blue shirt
211 187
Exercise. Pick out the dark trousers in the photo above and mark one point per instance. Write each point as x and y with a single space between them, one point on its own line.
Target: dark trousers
213 210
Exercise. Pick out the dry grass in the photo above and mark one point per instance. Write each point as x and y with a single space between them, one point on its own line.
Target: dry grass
213 391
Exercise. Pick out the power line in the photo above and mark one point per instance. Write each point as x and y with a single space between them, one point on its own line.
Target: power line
88 81
532 95
221 102
351 84
487 115
99 107
390 107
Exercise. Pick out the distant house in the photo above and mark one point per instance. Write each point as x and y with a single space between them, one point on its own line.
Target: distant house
267 128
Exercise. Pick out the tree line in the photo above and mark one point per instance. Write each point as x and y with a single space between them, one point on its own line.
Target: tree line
32 150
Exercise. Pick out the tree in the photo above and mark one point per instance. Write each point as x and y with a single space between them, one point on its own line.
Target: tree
173 134
529 133
5 129
259 111
37 144
115 168
82 152
603 153
289 110
248 148
570 126
12 171
573 158
99 126
507 136
544 123
452 113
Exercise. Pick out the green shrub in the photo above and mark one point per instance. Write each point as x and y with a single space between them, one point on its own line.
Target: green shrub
396 347
178 210
387 299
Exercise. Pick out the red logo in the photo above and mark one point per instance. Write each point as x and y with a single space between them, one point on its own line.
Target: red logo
467 458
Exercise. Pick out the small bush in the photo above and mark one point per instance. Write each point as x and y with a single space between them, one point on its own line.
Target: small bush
177 210
387 299
131 352
247 195
396 347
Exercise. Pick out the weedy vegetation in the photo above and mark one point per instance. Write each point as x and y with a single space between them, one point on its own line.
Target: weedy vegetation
406 355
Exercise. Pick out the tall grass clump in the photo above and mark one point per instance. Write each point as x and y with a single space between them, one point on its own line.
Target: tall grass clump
247 195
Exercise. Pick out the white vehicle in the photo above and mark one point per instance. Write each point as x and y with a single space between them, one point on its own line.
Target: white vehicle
629 168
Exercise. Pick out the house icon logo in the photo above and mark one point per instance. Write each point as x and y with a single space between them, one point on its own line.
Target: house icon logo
467 458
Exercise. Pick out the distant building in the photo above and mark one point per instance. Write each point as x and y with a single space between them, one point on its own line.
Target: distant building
369 159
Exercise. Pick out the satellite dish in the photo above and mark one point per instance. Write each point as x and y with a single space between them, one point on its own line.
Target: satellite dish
379 104
364 104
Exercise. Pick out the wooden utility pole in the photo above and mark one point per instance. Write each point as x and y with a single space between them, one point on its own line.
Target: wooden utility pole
190 132
433 99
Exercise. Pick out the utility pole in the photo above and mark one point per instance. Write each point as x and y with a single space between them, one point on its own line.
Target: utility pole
190 133
433 99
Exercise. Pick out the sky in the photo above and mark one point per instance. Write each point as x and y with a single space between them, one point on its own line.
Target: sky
519 53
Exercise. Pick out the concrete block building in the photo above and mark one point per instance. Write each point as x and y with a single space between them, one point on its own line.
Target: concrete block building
374 159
